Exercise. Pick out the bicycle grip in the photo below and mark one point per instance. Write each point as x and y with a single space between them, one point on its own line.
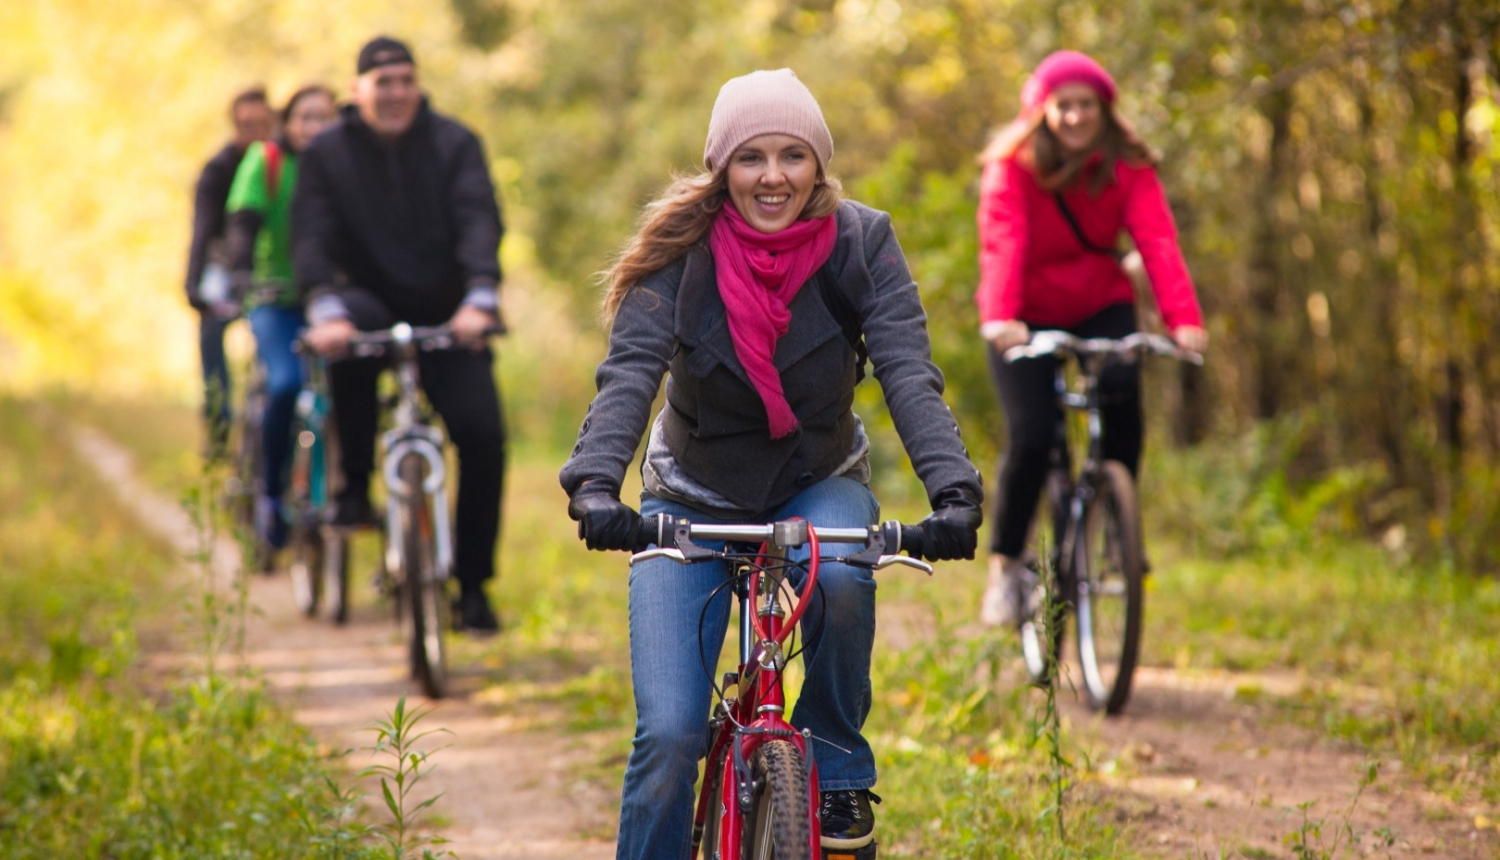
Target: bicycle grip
913 539
656 530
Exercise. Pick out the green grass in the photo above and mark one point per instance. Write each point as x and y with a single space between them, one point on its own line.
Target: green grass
98 759
1401 659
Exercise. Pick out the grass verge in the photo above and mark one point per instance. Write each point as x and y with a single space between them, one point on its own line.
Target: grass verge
96 759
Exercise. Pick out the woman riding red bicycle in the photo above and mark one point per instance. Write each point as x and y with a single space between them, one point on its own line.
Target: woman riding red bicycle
749 286
1060 184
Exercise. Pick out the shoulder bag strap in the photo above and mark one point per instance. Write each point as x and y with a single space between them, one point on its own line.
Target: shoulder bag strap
1078 231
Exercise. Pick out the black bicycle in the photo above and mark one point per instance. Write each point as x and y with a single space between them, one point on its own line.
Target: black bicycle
1097 568
418 531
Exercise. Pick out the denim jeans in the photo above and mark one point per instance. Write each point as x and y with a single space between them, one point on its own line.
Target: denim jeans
672 691
215 377
275 330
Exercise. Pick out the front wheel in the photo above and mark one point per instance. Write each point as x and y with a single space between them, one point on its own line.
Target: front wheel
1109 597
335 574
1042 635
780 826
307 568
427 608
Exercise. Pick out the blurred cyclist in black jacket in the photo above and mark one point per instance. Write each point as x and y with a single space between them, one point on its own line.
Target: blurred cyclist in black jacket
395 219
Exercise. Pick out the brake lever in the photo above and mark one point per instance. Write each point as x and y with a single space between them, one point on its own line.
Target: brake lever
886 561
659 552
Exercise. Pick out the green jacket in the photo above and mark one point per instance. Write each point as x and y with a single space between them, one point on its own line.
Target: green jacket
260 232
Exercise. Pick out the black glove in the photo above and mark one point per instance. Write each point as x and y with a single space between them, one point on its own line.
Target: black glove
951 531
605 522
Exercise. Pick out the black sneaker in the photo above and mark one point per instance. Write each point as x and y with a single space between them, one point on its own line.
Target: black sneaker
472 614
848 820
351 509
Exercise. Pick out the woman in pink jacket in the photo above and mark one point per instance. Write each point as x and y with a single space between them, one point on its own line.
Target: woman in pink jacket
1068 157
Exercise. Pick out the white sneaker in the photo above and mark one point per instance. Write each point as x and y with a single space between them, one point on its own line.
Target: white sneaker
1011 596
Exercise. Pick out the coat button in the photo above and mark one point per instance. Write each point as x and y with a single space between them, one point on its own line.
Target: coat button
805 479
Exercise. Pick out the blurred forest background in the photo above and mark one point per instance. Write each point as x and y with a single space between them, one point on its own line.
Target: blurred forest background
1331 164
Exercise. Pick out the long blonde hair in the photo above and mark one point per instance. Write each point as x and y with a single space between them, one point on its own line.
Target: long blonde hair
680 218
1030 142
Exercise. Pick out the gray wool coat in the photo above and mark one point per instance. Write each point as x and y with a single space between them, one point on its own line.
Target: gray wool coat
714 424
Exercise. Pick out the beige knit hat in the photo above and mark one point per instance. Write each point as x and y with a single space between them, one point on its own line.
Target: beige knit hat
760 103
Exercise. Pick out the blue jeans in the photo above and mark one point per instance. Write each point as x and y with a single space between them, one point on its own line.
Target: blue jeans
275 330
672 691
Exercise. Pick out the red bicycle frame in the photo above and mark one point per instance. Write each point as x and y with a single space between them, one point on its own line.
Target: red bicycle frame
754 711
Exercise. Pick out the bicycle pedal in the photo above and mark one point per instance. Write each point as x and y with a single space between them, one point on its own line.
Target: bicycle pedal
865 853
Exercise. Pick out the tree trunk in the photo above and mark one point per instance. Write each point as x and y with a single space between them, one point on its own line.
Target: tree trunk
1271 366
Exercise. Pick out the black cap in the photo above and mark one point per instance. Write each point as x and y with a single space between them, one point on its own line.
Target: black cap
383 51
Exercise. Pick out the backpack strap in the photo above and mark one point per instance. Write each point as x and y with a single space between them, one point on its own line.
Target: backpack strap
848 319
1083 240
273 169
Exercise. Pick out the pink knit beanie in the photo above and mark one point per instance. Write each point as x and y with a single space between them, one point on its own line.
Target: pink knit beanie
760 103
1066 67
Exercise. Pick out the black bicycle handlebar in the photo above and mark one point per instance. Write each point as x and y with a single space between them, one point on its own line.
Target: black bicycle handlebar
1050 342
371 344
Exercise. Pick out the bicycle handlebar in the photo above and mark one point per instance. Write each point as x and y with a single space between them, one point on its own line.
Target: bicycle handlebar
673 539
370 344
1051 342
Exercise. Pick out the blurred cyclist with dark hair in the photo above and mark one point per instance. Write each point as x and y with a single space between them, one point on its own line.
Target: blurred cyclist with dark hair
207 269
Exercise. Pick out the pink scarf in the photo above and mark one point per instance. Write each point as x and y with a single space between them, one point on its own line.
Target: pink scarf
759 275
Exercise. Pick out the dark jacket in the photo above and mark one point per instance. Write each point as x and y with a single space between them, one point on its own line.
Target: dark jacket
413 221
715 423
209 198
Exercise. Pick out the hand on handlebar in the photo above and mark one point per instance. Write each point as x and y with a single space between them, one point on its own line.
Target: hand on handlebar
951 531
471 326
1004 334
605 522
331 339
1191 338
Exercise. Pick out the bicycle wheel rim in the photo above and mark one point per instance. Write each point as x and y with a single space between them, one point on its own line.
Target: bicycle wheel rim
1109 596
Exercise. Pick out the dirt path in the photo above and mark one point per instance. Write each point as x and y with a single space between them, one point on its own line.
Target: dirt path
508 793
1202 771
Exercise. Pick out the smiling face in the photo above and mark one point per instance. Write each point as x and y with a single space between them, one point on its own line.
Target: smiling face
309 116
1075 116
771 178
388 98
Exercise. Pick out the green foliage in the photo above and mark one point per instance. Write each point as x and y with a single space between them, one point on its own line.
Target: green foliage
89 765
1238 496
1308 841
404 767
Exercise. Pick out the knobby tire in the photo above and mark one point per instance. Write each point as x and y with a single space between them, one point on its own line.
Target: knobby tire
427 605
778 827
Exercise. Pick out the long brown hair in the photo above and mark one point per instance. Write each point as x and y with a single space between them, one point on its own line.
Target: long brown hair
1028 140
680 218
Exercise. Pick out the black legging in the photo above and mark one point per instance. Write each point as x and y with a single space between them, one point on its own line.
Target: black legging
461 386
1028 395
